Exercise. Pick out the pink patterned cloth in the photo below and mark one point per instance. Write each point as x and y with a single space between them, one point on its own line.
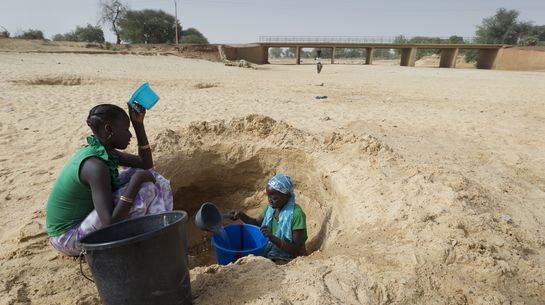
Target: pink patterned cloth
152 198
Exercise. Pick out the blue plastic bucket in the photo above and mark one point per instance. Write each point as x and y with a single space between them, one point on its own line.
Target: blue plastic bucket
144 96
243 239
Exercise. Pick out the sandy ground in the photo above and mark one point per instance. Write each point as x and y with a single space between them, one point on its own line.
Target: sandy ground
421 185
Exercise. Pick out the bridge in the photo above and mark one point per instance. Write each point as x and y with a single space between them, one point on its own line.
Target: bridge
448 51
487 53
259 52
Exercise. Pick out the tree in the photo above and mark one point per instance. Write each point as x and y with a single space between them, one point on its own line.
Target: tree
192 35
502 28
89 34
111 11
147 26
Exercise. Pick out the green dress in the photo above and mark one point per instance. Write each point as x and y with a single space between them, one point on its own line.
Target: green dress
298 222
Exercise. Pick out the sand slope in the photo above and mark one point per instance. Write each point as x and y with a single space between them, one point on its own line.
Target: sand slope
421 186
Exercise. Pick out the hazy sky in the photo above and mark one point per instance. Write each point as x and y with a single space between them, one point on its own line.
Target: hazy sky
241 21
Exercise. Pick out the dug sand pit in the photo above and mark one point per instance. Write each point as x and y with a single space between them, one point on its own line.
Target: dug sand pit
229 163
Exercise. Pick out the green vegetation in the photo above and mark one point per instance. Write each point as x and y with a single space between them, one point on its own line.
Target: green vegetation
504 28
88 34
192 35
31 34
147 26
154 26
4 33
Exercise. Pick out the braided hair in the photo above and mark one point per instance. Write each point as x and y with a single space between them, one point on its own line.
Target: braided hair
102 114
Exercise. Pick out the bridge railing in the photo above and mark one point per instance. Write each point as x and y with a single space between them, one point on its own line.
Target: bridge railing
364 39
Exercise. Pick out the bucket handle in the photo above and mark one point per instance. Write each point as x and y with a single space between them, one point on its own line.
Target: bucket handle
81 255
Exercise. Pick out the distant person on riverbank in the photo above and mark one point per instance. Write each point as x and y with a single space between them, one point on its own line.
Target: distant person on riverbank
319 61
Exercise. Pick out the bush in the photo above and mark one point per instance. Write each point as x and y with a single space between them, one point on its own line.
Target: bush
4 33
31 34
192 35
80 34
194 39
58 37
529 41
89 34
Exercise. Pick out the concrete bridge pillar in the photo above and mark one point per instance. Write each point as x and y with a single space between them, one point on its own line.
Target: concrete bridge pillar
448 58
333 55
487 58
265 55
298 55
408 57
369 56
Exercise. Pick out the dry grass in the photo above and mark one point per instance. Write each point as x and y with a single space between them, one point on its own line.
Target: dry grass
54 81
206 85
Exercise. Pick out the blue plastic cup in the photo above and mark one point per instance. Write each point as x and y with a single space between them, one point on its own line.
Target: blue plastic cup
144 96
244 239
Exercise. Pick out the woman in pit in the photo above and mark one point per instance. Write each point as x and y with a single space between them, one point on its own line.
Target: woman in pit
282 221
